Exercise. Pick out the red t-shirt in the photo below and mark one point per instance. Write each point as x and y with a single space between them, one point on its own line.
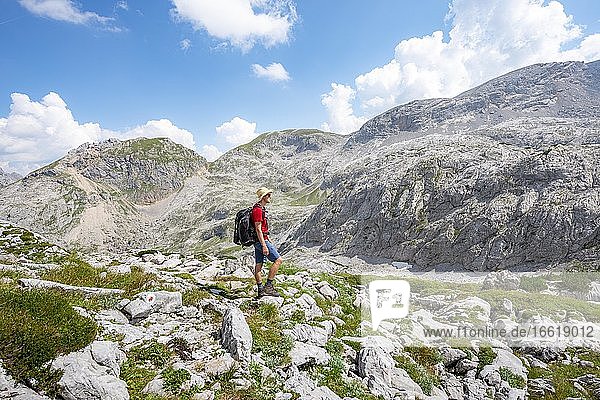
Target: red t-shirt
259 214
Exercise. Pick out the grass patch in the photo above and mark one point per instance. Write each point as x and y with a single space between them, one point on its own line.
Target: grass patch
262 388
351 315
26 244
76 272
514 380
333 375
421 375
486 356
36 327
561 374
186 275
288 268
141 366
192 297
268 338
174 378
533 284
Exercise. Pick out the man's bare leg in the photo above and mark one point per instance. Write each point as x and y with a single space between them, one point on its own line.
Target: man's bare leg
257 273
274 268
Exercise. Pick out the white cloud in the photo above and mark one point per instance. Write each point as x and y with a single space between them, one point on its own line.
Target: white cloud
338 103
210 152
237 131
123 5
242 23
486 39
63 10
185 44
274 72
36 133
162 128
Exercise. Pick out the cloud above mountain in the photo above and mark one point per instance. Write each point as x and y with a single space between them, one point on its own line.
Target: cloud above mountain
237 131
486 39
240 23
35 133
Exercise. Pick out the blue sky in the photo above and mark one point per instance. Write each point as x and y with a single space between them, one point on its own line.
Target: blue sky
214 74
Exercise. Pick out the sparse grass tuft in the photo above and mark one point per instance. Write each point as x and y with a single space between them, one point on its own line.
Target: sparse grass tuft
422 376
533 284
192 297
266 327
74 271
514 380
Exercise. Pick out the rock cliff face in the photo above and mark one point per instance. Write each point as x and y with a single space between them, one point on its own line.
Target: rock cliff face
464 201
504 175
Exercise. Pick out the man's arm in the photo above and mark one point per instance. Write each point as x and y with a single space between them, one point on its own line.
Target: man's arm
261 238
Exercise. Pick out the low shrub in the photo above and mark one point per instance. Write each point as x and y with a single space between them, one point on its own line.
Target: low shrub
36 327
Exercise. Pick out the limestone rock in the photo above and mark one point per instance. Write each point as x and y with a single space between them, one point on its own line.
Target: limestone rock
9 389
308 334
304 353
84 379
236 337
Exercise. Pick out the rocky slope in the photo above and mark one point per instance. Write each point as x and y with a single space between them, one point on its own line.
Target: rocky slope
293 162
154 193
93 196
7 178
504 175
172 326
563 90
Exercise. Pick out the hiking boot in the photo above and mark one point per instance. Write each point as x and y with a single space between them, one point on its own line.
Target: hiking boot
269 290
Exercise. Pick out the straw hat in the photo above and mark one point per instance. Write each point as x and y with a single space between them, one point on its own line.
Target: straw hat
262 192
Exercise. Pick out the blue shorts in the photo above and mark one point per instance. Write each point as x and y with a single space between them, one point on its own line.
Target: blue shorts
260 257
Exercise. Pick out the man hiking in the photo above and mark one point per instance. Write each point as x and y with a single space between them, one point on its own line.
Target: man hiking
263 247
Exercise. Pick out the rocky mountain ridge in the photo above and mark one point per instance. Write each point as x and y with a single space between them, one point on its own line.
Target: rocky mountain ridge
501 176
561 90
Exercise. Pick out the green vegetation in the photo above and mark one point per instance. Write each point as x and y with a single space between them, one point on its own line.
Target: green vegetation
186 275
514 380
578 282
174 378
36 327
268 338
156 149
289 268
486 356
192 297
141 365
424 376
313 197
27 244
76 272
262 388
561 375
533 284
335 377
351 315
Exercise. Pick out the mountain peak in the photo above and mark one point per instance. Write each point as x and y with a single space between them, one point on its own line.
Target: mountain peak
561 89
146 170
